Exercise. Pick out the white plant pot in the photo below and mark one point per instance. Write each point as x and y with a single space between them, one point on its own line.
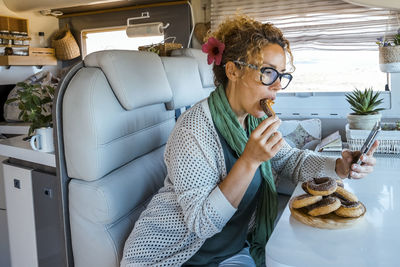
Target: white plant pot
363 122
389 58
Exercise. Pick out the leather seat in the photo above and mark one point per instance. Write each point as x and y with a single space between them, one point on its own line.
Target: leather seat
205 70
115 114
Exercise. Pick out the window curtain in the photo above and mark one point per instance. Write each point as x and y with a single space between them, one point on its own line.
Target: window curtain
315 24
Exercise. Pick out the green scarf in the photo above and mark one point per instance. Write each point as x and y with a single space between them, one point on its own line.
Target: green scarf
228 125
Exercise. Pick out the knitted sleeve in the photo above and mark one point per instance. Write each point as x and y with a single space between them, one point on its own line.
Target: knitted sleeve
301 165
195 169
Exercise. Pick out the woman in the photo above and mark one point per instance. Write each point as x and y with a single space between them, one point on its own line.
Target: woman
219 159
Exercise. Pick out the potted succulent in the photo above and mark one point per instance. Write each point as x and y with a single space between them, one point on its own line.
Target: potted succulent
35 102
389 53
365 106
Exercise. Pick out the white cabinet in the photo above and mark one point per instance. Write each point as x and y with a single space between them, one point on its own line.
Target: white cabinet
4 247
2 195
20 215
34 216
33 211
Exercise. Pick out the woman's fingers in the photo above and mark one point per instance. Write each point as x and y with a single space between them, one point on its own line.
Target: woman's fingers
277 146
358 171
271 131
357 175
362 169
274 139
368 160
264 125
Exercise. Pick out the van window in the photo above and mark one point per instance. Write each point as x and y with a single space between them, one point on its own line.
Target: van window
113 38
336 71
333 42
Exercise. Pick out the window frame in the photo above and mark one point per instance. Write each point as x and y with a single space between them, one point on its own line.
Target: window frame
314 103
84 33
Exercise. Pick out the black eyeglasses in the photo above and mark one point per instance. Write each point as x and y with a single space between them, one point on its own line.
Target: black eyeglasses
269 75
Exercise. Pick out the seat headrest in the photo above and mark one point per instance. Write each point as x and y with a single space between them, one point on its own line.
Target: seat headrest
184 79
206 73
137 78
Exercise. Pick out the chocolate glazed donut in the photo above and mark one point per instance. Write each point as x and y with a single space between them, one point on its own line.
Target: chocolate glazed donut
321 186
339 182
342 193
325 206
266 106
304 186
305 200
350 209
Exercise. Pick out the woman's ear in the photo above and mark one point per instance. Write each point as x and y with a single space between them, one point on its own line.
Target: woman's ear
231 71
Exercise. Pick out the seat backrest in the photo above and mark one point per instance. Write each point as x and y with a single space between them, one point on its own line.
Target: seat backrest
184 78
115 127
205 70
117 114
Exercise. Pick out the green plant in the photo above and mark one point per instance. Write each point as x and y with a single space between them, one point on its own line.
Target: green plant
364 103
384 42
35 102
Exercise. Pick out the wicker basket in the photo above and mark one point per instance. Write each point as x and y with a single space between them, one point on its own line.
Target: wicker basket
389 141
65 45
162 50
389 58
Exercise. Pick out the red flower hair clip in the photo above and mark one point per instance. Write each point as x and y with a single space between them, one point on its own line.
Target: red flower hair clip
214 49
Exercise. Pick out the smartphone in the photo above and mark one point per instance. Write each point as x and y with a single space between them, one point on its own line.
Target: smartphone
369 141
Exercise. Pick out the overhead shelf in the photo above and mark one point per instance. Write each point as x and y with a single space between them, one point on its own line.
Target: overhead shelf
37 57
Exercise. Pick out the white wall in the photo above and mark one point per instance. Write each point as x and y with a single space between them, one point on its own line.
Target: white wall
36 23
198 15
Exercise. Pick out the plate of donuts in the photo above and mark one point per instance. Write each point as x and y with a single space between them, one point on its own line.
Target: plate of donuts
326 204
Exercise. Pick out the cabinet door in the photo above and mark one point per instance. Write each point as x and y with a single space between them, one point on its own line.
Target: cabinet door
20 215
4 248
2 193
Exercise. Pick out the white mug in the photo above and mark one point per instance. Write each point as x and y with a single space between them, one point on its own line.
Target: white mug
43 140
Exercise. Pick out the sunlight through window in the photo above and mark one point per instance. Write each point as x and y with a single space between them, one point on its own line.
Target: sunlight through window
115 39
333 71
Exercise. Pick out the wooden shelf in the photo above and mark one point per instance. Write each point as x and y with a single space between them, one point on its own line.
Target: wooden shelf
13 24
27 60
10 37
7 45
37 57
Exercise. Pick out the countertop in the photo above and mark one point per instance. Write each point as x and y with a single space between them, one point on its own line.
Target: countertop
373 241
16 147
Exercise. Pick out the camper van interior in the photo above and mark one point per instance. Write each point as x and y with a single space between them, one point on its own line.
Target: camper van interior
102 106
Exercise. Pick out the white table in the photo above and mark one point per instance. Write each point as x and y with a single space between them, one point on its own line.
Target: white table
373 241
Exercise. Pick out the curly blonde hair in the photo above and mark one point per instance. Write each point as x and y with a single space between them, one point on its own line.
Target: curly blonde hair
244 39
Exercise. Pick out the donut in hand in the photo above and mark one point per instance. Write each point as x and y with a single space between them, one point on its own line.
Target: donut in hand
266 105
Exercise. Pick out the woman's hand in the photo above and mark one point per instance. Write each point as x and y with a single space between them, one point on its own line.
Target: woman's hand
264 142
346 168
